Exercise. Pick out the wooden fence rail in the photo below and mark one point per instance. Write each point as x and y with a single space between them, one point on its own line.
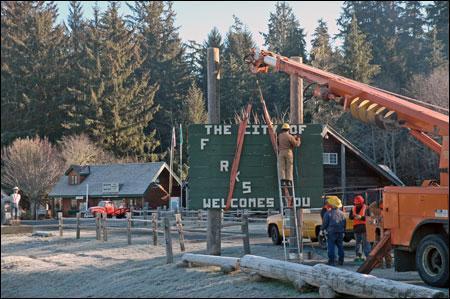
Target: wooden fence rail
162 222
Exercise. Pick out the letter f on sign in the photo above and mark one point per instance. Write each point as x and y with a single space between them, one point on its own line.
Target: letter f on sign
203 143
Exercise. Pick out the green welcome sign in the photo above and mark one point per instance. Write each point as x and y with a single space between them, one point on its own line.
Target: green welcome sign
211 151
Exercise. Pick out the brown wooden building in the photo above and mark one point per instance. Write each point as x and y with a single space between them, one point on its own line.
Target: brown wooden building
348 171
139 184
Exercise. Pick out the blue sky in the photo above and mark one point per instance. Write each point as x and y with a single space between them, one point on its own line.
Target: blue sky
197 18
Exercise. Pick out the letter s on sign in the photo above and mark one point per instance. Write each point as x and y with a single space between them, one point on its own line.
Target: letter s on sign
247 187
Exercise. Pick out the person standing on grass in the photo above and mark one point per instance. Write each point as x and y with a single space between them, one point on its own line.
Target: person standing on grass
15 197
334 223
358 215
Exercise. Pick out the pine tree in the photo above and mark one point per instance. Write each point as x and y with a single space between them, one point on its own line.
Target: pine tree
286 37
437 17
358 55
435 52
74 107
379 20
124 98
194 107
321 55
412 37
32 49
164 57
238 84
214 39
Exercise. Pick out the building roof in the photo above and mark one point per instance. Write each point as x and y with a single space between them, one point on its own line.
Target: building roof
379 168
81 170
133 179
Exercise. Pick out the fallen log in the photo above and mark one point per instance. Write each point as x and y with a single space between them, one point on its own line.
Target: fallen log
353 283
227 264
339 280
276 269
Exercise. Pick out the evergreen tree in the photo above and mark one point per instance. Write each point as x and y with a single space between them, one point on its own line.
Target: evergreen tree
412 36
435 52
194 107
437 17
321 55
193 53
237 84
164 57
379 20
74 107
124 98
285 37
358 55
213 40
32 58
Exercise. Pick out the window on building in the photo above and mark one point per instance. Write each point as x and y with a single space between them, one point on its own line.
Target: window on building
74 204
74 180
330 158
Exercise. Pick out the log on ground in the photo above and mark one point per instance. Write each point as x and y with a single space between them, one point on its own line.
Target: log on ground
211 260
341 281
363 285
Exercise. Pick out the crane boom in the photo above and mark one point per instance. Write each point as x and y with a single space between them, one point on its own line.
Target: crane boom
366 103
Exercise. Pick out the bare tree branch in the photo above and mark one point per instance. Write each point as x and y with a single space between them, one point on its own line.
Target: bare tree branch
34 165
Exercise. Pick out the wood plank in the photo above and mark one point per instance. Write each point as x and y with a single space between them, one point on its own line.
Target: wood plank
168 241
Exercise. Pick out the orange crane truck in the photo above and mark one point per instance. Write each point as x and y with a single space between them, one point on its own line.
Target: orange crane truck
415 219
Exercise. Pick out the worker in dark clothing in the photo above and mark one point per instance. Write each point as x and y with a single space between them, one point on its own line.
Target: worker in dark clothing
326 207
334 222
358 214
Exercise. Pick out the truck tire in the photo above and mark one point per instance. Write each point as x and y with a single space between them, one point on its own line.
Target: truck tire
275 235
432 260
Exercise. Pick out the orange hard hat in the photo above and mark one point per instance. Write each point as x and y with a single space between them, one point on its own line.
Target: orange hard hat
358 200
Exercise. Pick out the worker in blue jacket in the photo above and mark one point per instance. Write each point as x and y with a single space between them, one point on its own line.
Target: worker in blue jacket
334 223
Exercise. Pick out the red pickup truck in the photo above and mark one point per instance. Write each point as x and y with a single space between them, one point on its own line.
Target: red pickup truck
108 207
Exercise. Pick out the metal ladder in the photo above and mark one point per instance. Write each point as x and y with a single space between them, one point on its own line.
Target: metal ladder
285 215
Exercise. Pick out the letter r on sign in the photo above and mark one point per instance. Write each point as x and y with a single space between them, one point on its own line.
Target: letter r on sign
223 165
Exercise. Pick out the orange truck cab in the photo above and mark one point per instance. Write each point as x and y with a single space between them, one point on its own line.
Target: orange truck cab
417 218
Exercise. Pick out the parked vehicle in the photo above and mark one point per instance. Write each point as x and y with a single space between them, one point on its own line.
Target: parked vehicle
108 207
311 227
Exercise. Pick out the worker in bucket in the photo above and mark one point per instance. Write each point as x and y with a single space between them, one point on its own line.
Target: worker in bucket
286 144
358 215
334 223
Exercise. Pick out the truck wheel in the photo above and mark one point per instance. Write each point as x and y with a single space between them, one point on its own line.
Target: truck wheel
275 234
432 260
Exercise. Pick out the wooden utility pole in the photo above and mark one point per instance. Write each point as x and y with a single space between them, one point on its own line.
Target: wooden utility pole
213 240
343 172
296 117
296 96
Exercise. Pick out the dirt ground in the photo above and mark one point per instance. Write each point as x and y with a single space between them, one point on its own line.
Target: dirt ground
65 267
